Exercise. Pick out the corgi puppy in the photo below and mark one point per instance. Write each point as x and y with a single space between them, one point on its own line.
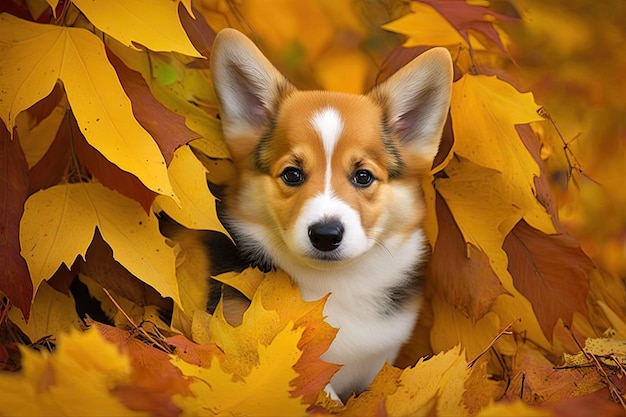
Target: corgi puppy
328 189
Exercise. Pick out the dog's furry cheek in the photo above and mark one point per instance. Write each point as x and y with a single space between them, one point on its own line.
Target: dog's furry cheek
406 209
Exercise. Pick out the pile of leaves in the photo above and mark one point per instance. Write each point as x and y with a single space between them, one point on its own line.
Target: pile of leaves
109 117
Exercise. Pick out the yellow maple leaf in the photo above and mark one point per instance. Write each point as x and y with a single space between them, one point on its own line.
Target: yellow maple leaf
484 113
34 56
486 217
59 223
451 327
425 26
51 314
75 380
262 391
197 205
246 282
155 25
240 343
439 378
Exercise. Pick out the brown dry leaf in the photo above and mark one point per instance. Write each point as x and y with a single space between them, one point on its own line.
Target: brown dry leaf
194 353
460 272
54 165
15 281
167 128
37 126
153 379
536 380
551 271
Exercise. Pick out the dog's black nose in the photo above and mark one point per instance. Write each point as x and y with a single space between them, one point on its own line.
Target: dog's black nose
326 235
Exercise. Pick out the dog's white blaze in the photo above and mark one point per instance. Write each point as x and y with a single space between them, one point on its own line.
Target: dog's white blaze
328 123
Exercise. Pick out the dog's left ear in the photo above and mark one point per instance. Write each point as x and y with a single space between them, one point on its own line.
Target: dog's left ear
416 99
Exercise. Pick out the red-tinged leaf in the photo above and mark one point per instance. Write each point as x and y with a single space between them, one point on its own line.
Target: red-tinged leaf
53 166
193 353
100 266
43 108
15 280
464 17
200 34
551 271
461 272
544 194
110 174
597 404
154 380
536 380
166 127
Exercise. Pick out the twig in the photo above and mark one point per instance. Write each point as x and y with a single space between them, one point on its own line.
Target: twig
504 331
609 383
576 165
147 335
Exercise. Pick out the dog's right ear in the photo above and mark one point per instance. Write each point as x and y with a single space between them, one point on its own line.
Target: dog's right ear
247 85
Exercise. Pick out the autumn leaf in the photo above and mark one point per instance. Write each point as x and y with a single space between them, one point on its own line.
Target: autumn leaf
52 313
197 205
167 128
14 280
71 381
153 379
37 127
102 110
155 25
276 303
58 224
465 17
536 381
261 391
425 26
483 104
545 265
460 271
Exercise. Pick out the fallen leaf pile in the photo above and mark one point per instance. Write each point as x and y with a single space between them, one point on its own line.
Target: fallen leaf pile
110 124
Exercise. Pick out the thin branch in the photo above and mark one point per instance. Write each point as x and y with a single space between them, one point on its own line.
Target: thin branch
506 330
140 329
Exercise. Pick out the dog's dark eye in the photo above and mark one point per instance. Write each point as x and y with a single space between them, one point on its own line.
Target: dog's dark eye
363 178
292 176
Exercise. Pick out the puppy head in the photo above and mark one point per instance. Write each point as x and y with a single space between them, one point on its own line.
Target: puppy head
325 176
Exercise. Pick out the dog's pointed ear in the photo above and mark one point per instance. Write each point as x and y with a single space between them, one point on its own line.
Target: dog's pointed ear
415 101
247 85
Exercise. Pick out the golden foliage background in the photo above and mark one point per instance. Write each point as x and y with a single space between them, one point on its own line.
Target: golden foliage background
110 118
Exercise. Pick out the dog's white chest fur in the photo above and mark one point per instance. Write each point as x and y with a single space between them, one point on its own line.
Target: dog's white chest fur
371 329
